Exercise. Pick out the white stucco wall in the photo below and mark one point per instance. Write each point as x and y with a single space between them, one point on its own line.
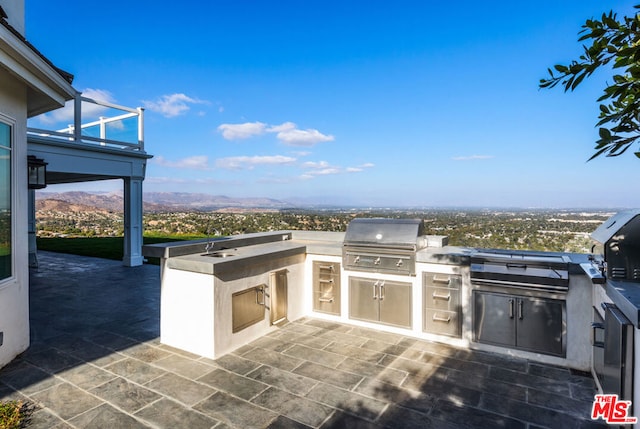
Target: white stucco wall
15 12
14 292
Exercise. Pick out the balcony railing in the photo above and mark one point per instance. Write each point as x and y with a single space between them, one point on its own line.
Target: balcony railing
123 131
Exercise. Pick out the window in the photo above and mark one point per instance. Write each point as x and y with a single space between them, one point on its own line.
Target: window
5 202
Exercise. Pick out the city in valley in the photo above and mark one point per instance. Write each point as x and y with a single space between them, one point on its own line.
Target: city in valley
79 214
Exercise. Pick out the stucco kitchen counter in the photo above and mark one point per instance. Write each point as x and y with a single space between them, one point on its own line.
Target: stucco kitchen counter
239 258
449 255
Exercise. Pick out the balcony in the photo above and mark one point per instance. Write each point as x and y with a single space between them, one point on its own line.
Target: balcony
122 130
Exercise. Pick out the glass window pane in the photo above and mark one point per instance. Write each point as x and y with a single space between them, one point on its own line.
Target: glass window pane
5 135
5 201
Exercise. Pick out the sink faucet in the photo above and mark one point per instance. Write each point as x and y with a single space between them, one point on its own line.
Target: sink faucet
208 246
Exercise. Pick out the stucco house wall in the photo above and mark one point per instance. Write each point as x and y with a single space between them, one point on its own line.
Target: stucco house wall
14 292
29 85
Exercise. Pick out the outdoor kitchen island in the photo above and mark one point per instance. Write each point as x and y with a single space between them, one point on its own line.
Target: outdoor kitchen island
214 301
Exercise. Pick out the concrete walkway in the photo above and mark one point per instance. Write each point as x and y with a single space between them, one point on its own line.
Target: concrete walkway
96 362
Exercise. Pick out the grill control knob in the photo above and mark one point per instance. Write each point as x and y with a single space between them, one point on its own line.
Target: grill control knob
356 259
399 263
377 261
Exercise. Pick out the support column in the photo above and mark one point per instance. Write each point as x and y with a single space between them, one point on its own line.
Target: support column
132 222
31 228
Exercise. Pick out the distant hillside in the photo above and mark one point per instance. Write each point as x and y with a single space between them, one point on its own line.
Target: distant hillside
154 202
65 206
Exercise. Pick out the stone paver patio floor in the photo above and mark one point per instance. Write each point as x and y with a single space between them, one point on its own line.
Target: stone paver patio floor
96 362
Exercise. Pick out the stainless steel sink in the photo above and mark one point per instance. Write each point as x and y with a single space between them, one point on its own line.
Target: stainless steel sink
219 254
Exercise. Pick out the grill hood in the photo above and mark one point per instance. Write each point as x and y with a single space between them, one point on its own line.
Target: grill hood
405 234
620 239
623 227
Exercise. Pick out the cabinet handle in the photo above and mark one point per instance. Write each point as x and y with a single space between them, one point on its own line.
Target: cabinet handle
446 297
437 318
520 308
381 290
325 281
375 290
511 308
325 299
326 267
520 266
258 291
446 280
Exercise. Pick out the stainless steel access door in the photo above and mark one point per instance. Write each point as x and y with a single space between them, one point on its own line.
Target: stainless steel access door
247 307
618 353
541 325
395 303
493 316
382 301
363 299
278 292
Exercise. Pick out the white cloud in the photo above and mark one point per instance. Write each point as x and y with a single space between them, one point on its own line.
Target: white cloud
314 164
287 132
471 157
199 162
242 131
359 168
172 105
163 180
304 138
89 110
323 168
249 162
327 171
285 126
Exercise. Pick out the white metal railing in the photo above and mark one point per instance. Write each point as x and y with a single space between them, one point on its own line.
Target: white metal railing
76 132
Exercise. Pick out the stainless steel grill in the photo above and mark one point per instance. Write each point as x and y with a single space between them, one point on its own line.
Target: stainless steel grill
383 245
620 239
523 270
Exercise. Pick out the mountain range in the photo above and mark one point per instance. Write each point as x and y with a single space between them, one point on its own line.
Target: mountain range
152 201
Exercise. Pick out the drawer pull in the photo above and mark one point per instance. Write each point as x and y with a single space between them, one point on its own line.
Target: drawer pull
325 280
325 299
446 297
446 280
437 318
326 267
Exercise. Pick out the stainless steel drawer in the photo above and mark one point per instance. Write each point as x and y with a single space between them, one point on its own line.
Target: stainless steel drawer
442 322
439 298
452 281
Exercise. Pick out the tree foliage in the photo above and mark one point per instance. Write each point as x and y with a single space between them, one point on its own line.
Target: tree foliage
615 42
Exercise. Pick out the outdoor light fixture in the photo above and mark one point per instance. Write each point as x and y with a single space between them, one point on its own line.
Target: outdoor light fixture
37 172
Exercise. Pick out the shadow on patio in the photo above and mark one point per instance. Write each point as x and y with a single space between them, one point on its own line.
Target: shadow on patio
96 361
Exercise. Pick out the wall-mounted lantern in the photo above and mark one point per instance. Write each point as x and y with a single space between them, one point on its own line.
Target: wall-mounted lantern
37 172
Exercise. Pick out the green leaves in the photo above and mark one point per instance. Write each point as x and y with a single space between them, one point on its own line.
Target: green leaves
611 40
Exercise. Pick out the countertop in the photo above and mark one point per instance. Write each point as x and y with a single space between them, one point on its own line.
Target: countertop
626 296
261 247
236 258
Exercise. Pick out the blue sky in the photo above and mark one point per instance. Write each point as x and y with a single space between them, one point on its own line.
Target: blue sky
404 103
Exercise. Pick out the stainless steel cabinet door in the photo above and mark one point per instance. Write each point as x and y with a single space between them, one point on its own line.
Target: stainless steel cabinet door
247 307
395 303
278 291
363 299
541 325
493 318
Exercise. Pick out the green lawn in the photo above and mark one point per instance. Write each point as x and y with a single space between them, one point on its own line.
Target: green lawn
101 247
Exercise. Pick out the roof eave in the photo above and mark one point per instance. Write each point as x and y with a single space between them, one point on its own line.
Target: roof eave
48 86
